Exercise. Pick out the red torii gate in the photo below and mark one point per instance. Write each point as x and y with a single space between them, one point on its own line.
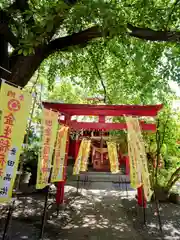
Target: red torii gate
69 110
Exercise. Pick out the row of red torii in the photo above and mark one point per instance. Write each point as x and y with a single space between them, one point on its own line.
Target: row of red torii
101 111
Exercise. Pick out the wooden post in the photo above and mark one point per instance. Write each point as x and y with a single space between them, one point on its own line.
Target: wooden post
140 198
127 165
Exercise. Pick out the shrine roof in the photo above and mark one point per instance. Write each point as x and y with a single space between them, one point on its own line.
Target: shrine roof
103 110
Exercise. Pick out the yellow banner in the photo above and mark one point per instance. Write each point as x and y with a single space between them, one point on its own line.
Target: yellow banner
133 166
113 157
15 106
82 158
49 130
77 165
85 156
135 171
139 168
60 155
143 161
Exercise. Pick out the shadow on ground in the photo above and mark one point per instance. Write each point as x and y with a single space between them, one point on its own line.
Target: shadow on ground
169 219
97 211
90 214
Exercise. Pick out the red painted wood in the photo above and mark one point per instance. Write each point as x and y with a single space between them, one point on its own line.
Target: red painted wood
140 197
106 110
60 193
102 119
127 165
77 146
108 126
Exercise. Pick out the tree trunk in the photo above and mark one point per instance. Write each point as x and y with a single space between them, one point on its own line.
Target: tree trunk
4 58
4 62
23 67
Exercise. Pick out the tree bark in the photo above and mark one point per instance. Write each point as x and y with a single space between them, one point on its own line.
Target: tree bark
152 35
4 38
4 62
23 67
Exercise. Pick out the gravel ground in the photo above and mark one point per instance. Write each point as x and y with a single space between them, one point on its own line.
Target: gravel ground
169 218
99 212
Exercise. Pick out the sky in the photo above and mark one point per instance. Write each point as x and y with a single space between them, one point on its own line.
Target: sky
175 87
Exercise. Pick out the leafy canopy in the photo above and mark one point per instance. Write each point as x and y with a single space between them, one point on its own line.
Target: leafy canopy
42 28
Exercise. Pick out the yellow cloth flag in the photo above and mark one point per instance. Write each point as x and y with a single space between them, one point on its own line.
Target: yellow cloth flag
15 106
135 166
113 157
143 161
85 156
77 165
49 130
139 167
82 157
60 155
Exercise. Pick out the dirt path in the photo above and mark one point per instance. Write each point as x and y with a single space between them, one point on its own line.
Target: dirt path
98 215
101 216
99 211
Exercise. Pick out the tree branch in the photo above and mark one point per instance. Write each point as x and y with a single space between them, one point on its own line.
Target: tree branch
173 182
151 35
164 133
173 176
5 31
22 5
82 38
8 35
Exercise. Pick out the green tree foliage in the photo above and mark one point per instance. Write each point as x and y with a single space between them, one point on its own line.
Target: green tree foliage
37 29
119 73
67 93
163 149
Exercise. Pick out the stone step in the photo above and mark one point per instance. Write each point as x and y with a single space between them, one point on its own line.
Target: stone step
103 177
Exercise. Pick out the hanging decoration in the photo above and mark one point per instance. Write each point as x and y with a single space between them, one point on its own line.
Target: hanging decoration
86 151
82 157
77 165
113 157
15 107
138 158
60 155
49 131
135 171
